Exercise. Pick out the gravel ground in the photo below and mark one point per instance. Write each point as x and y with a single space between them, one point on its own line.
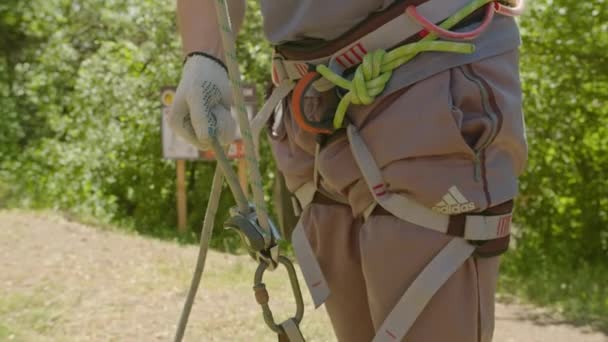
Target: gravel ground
63 281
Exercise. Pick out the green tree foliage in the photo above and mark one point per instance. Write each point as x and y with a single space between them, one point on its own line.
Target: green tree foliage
79 110
563 209
565 78
86 81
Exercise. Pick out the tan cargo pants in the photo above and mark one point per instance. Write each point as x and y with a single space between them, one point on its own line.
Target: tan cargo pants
460 128
368 266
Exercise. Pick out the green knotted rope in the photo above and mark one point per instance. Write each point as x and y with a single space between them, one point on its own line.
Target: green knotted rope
377 67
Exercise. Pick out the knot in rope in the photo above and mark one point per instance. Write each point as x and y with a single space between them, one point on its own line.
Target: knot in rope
376 69
369 79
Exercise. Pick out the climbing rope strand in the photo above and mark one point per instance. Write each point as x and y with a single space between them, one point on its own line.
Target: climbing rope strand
208 222
231 178
224 168
255 178
273 258
375 71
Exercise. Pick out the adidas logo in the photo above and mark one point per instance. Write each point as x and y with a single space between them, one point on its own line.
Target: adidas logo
453 203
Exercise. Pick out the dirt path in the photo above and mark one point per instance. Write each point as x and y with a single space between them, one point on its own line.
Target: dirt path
62 281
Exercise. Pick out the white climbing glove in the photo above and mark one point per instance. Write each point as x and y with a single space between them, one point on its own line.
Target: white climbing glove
202 103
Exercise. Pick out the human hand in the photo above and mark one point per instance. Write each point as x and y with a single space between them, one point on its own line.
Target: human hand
201 108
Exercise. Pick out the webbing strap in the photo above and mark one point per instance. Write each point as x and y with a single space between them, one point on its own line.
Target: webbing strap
292 331
483 228
313 276
305 194
398 205
278 94
424 287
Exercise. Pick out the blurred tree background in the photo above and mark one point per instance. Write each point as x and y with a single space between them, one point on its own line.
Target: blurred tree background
80 133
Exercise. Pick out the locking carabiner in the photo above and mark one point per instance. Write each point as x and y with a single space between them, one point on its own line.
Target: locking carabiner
262 297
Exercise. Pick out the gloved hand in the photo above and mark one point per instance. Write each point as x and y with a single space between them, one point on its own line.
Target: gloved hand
201 106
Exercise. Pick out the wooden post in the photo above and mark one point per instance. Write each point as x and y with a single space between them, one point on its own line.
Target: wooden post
182 209
242 168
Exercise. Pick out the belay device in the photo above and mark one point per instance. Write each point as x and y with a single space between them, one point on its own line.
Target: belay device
251 221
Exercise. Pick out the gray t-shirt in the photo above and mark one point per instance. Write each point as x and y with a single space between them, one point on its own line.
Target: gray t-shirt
289 20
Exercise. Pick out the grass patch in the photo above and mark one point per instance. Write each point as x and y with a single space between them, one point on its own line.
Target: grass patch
221 240
26 315
579 294
5 332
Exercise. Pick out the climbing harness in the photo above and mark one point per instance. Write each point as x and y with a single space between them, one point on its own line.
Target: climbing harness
483 234
376 67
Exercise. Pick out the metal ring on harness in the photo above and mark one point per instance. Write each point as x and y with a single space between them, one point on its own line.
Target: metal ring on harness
303 85
443 33
262 297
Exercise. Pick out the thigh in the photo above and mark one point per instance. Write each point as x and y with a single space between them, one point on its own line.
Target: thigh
394 252
333 236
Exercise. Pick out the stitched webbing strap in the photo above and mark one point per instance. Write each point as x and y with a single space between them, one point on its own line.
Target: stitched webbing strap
399 205
278 94
311 270
424 287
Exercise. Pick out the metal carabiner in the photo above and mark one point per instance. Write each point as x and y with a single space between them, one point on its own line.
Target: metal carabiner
262 297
